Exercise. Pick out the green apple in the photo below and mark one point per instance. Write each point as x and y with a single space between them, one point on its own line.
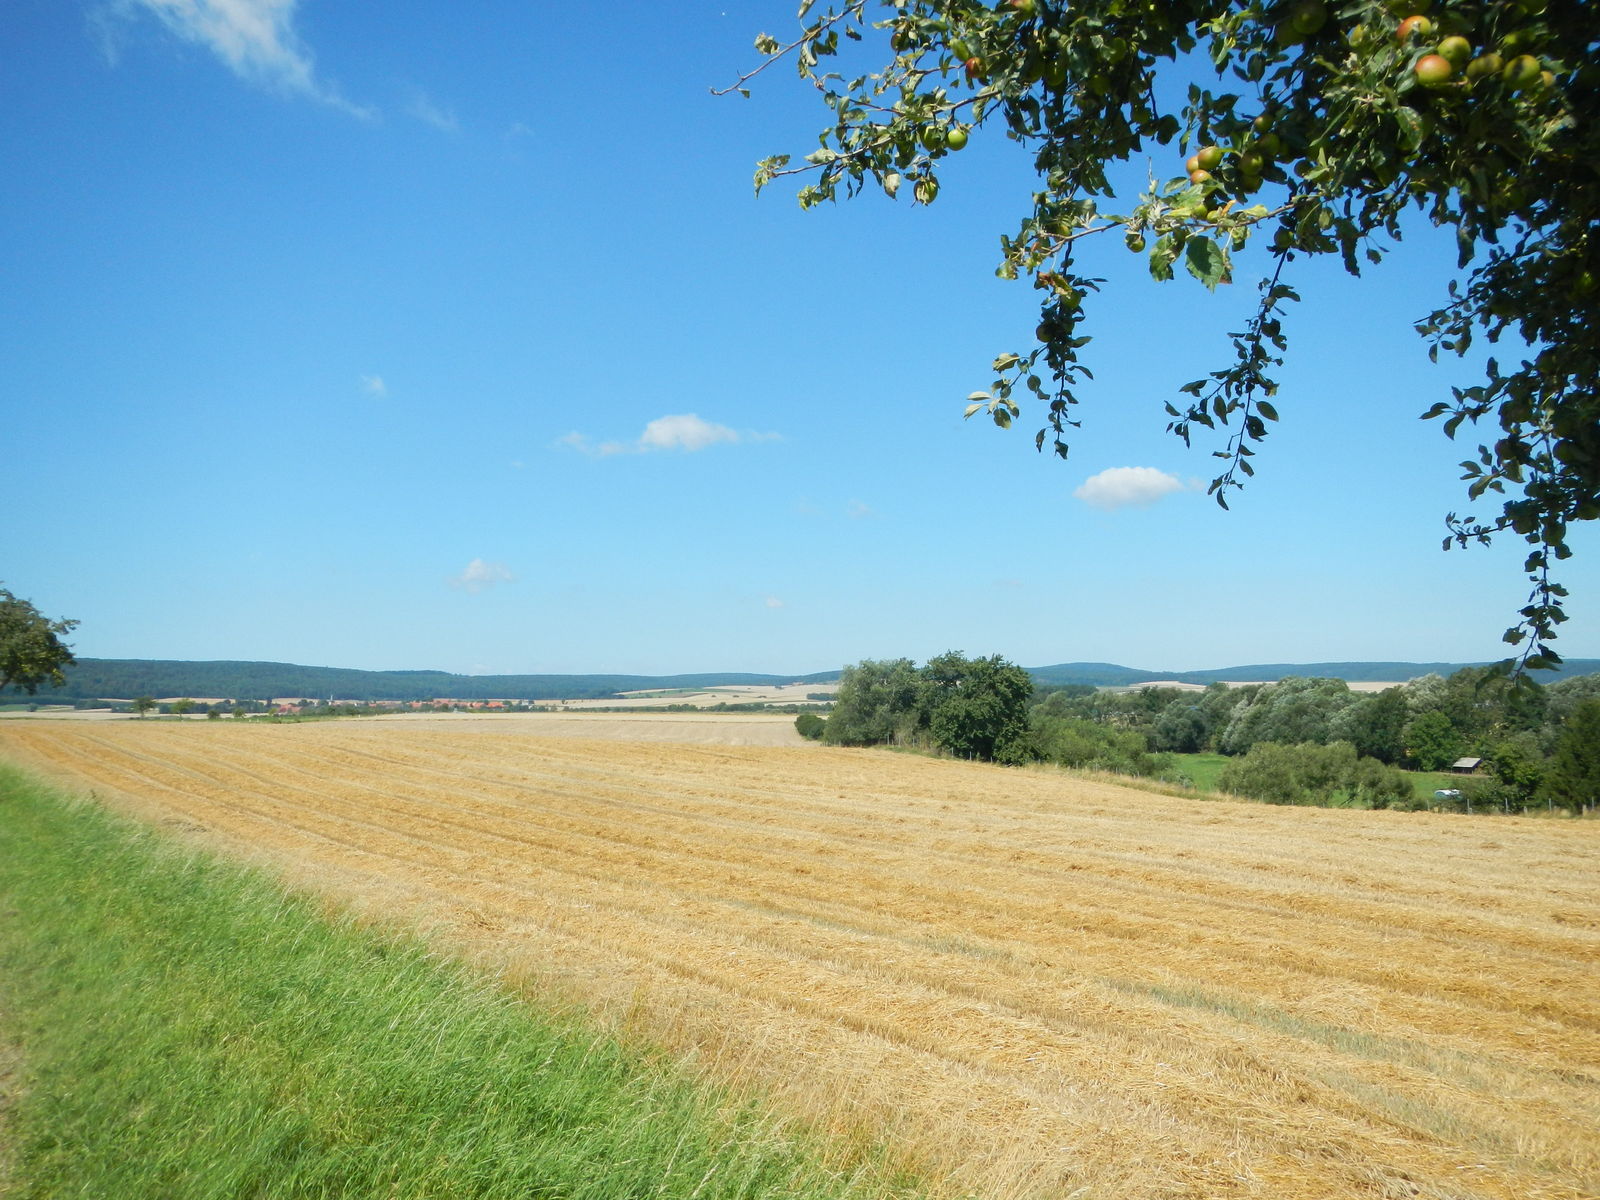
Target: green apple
1522 72
1457 49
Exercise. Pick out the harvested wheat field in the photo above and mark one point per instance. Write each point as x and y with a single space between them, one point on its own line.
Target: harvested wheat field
1035 986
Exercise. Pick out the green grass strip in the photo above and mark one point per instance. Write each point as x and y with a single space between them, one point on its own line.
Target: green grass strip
189 1030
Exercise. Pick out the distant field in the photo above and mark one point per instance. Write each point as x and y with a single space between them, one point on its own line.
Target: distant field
1037 986
720 729
723 729
1428 782
1202 769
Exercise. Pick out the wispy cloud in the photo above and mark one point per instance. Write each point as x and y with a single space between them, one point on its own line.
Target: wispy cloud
374 385
429 113
480 576
1129 487
857 510
774 602
255 38
684 432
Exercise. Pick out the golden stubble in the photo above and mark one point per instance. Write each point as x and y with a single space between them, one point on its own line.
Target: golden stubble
1031 985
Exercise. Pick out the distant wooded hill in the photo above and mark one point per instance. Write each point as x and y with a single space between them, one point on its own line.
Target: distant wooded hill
128 678
1111 675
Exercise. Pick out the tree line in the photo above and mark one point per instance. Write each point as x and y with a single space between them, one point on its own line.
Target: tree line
95 678
1297 740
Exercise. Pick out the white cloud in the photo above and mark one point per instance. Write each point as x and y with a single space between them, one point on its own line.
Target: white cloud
481 576
1128 487
680 431
374 385
255 38
856 510
774 602
429 113
685 431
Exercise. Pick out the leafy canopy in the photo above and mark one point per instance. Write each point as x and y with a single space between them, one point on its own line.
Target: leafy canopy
1575 769
31 650
973 708
1317 126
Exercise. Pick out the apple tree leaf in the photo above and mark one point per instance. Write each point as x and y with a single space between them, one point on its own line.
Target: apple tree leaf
1206 261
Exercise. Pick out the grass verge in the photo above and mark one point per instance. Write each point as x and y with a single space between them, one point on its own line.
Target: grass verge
189 1030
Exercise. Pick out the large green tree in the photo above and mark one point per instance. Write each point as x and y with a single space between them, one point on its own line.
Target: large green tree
1485 703
1518 767
1431 742
1312 127
878 701
1375 725
978 707
1574 777
31 649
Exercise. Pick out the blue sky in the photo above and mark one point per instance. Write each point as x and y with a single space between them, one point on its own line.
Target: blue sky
453 336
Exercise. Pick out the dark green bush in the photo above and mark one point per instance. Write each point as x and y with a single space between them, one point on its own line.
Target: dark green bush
810 726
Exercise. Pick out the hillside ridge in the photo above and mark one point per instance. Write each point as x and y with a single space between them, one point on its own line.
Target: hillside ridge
93 678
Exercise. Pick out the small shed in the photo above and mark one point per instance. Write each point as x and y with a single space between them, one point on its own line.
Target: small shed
1466 766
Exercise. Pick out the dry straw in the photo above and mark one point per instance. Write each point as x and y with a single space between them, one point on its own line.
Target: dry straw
1036 986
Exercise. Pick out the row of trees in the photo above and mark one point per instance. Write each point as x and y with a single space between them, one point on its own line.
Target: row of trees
987 708
1426 724
1299 740
1533 738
